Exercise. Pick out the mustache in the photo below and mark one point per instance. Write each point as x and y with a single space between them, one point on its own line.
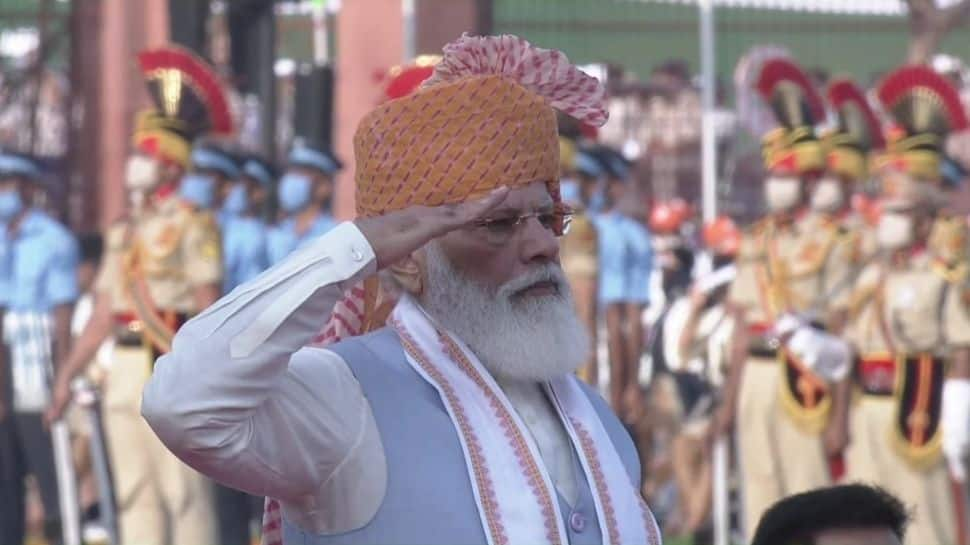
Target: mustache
541 273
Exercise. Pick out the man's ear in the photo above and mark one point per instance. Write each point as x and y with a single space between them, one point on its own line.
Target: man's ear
409 272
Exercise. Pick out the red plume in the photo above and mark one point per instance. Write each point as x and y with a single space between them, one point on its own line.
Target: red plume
778 70
407 81
203 80
903 81
844 91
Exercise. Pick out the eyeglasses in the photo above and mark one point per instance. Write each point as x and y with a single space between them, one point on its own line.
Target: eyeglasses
500 230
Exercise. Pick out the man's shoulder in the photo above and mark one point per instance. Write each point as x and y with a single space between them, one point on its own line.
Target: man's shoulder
610 421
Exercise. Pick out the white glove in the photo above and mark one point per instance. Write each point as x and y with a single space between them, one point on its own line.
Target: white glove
826 355
834 357
955 422
786 324
802 345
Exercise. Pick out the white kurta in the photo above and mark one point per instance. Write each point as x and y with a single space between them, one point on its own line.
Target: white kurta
229 400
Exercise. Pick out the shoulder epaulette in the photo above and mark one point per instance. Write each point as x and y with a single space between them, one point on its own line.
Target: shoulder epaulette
954 273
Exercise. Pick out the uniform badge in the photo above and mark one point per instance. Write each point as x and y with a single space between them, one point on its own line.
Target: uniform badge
210 249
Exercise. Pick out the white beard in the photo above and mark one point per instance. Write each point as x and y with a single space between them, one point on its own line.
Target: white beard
531 338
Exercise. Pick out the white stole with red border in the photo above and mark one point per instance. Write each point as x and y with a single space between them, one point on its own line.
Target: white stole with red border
516 499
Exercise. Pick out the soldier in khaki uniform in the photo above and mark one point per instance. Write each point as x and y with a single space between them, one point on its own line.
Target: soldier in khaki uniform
159 269
910 326
847 149
949 241
787 268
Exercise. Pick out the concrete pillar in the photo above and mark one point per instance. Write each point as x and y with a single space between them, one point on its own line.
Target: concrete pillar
370 40
127 28
441 21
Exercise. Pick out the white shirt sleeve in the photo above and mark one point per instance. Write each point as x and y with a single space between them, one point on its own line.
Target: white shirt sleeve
239 399
674 322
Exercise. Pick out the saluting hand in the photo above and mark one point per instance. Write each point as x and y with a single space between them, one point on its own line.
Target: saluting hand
395 235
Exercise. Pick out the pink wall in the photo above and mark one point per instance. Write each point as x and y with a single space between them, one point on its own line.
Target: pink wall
127 28
370 41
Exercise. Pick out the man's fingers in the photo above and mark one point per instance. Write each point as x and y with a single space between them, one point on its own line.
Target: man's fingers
468 212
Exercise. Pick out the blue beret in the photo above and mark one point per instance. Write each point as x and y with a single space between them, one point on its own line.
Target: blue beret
588 165
19 165
323 161
214 159
618 167
258 170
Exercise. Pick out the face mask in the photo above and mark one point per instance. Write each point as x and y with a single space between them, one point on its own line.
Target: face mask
827 196
141 173
236 201
198 190
10 205
782 194
294 192
895 231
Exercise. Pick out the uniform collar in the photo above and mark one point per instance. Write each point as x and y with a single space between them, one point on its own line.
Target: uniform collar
170 205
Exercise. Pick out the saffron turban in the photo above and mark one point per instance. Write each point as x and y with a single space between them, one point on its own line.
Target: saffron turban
485 118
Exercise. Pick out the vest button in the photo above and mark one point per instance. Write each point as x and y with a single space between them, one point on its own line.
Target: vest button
577 522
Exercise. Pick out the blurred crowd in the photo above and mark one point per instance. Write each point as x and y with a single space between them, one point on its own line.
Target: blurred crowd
778 336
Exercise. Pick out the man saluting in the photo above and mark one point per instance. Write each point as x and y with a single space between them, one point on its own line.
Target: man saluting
460 421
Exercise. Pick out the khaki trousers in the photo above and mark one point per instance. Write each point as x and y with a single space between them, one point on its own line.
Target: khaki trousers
161 501
777 459
871 458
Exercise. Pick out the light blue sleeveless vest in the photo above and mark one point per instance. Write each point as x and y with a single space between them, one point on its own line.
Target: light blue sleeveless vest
429 499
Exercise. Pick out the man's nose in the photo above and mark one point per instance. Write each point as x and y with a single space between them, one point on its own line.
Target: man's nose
538 244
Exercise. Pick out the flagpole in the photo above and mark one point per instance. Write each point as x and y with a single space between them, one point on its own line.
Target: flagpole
709 212
410 38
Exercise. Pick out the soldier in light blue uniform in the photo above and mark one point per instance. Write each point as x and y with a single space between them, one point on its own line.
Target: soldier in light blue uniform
206 184
261 175
625 265
38 275
305 192
589 173
639 262
243 232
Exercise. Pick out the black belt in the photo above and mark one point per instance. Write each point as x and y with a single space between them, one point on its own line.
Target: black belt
129 340
763 352
763 346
